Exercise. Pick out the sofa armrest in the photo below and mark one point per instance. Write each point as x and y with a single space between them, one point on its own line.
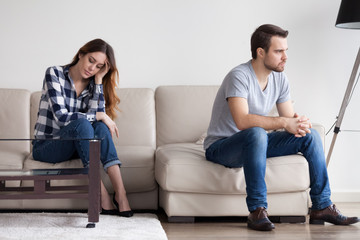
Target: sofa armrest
321 130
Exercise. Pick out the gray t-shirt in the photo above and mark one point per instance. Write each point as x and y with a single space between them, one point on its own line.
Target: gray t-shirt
242 82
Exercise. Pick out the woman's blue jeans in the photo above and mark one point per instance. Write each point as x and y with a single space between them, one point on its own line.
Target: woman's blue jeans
250 148
55 151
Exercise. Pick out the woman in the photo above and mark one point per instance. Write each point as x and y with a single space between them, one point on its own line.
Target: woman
72 106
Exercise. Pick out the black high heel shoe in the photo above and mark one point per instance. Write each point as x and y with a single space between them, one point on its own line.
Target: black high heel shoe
123 213
109 212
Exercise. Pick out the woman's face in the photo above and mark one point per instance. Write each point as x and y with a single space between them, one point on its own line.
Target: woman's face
91 63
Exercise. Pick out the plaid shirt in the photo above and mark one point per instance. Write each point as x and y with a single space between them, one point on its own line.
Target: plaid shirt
59 104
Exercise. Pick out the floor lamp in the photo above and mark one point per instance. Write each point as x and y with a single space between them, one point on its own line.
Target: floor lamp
348 17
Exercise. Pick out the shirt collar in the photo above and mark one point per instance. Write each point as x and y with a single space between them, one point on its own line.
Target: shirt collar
89 88
66 69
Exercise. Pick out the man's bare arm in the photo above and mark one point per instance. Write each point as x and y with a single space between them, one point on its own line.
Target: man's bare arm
293 124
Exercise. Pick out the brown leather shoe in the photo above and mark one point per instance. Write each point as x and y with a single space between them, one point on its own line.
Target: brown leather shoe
332 215
258 220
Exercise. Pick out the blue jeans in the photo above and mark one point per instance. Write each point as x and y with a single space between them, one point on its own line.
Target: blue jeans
59 151
250 148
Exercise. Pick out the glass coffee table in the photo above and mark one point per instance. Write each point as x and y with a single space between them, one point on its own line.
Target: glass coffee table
42 177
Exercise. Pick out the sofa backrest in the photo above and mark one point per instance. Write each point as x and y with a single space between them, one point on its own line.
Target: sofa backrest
14 118
135 121
183 112
34 108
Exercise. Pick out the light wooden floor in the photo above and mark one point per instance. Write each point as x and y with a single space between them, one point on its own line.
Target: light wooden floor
226 229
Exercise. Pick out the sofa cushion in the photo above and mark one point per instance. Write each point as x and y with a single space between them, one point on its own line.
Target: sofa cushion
137 139
11 159
15 110
182 167
34 108
135 145
137 168
14 123
182 112
136 119
30 163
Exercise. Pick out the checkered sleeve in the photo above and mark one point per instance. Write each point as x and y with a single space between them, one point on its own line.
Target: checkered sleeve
97 103
57 91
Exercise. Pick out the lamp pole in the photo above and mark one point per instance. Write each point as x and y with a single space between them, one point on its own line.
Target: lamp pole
344 104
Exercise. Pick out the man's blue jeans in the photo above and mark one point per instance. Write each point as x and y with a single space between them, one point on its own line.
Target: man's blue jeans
60 151
250 148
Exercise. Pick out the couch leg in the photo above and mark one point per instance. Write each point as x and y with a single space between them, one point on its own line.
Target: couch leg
181 219
288 219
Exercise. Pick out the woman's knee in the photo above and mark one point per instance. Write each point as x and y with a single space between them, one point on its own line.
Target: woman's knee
83 128
101 130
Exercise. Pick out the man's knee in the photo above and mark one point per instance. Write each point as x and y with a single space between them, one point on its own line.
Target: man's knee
314 138
257 135
315 133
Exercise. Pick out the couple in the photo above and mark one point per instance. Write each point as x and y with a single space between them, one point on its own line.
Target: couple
73 105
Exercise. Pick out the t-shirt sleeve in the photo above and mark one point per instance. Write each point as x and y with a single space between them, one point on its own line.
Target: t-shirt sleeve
236 85
284 90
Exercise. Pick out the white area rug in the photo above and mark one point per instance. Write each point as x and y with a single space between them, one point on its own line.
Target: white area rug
73 226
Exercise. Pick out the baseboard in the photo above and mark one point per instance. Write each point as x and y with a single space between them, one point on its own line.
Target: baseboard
343 196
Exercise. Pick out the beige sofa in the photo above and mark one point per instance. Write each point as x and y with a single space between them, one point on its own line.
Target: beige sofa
160 146
191 186
135 146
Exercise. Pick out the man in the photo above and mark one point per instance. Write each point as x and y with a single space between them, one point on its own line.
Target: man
238 137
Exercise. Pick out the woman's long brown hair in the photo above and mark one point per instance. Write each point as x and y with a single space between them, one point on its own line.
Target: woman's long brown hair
111 79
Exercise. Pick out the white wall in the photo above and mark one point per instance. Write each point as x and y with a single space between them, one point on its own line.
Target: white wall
164 42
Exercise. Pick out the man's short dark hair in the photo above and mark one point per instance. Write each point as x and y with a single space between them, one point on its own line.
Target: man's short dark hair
262 36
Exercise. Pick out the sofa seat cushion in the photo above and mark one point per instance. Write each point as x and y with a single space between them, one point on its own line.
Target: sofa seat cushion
11 159
30 163
137 168
182 167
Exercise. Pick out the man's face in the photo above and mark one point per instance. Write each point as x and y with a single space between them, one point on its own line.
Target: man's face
276 57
